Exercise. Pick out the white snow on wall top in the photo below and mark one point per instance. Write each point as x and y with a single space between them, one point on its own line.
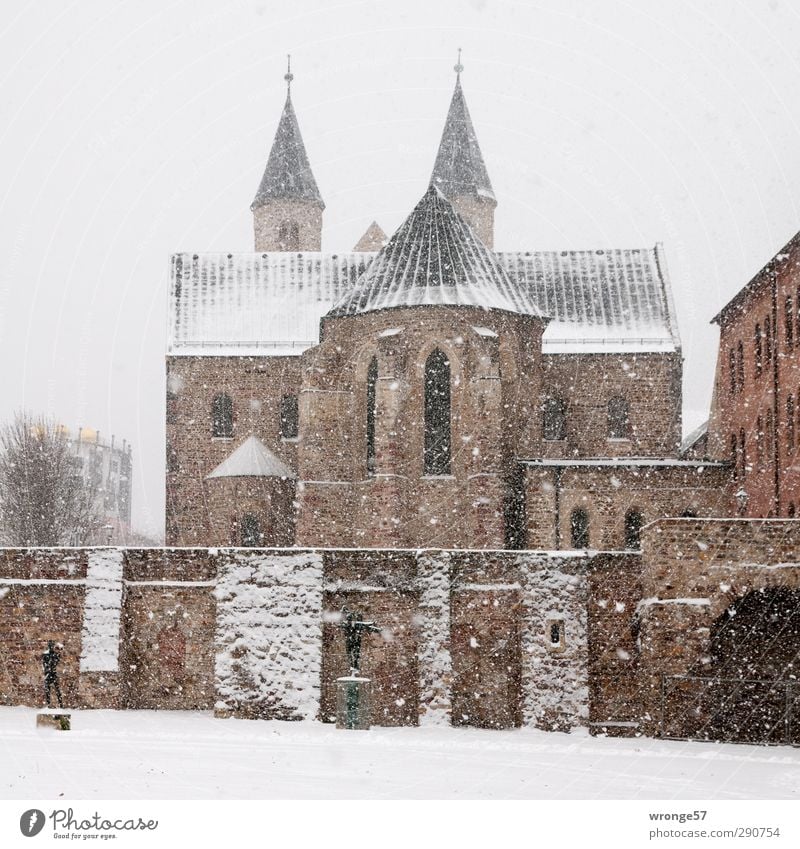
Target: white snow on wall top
271 304
252 459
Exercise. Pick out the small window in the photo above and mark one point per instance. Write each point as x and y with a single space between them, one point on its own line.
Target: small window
554 419
289 236
689 513
579 528
222 416
618 419
250 531
555 634
437 414
372 382
790 510
289 417
633 529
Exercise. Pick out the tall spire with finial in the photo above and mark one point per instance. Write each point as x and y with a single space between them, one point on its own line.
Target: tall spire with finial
288 194
459 171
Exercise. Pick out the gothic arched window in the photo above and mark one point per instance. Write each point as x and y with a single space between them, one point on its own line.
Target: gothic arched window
250 531
437 414
222 415
289 236
740 365
579 528
289 417
554 419
633 529
372 381
619 426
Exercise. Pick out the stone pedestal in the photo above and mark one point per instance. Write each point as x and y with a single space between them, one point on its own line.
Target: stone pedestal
352 703
57 720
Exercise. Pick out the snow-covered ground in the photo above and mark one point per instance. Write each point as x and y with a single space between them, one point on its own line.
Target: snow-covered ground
186 755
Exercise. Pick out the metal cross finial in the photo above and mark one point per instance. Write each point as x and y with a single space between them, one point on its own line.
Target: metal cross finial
288 76
458 67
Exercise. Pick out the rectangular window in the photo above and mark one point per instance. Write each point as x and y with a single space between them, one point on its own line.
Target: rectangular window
289 417
555 635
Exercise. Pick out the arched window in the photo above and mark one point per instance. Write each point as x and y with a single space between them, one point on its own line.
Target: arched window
222 416
758 349
372 381
619 426
579 528
250 531
437 414
633 529
289 417
289 236
790 424
554 419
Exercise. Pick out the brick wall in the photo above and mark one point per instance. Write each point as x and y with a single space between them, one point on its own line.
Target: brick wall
256 386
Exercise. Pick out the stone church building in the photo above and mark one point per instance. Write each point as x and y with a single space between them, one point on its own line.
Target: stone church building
425 391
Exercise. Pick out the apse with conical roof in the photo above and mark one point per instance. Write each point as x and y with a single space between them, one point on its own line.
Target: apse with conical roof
434 258
287 208
460 172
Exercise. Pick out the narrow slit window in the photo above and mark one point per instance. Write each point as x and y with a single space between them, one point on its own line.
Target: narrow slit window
290 417
222 416
633 529
579 528
437 414
372 382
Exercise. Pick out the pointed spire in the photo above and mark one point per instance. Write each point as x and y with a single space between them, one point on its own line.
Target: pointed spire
459 169
288 174
434 259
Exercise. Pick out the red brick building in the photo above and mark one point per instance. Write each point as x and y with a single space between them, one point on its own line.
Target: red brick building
755 417
431 393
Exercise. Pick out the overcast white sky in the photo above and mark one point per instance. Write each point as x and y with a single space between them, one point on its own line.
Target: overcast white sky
134 129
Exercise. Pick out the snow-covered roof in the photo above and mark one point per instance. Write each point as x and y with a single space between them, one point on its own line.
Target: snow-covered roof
691 439
459 168
252 459
434 258
288 174
609 301
270 304
624 462
265 304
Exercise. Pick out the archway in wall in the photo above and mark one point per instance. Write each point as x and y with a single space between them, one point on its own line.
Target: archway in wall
754 692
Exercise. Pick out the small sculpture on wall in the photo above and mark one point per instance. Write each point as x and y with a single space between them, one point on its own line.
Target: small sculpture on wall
354 628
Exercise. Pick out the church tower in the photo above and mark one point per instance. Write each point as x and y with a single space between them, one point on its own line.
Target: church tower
287 208
460 172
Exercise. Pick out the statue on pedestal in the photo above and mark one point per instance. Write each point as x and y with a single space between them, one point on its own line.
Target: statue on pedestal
50 660
354 627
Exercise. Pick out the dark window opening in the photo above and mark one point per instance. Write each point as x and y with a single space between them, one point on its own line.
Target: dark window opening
788 320
734 456
289 236
579 528
222 416
790 424
618 419
689 513
790 510
250 531
437 414
742 452
290 417
633 529
554 419
372 380
768 339
555 633
740 365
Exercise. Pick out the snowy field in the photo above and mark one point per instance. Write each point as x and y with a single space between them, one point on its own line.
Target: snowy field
188 755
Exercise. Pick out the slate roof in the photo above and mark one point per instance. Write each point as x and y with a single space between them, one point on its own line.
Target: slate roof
433 259
270 304
252 459
459 168
288 174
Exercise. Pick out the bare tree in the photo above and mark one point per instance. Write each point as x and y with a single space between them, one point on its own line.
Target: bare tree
44 498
